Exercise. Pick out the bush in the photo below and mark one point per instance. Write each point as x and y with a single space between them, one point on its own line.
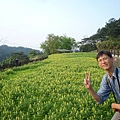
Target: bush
117 61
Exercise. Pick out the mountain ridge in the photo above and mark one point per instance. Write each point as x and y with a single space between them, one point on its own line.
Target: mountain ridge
5 51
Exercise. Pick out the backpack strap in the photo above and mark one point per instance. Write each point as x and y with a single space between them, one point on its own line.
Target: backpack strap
108 82
117 78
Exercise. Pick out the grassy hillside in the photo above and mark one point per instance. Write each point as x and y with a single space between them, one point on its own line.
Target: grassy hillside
52 89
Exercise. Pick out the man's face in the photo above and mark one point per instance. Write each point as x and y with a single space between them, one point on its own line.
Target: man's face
105 62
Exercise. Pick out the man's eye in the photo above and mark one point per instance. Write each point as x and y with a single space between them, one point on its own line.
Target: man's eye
104 58
99 60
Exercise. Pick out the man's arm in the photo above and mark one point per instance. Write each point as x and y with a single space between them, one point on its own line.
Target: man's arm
94 94
115 106
88 86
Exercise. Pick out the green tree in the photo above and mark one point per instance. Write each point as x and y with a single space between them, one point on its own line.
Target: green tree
108 37
88 47
53 43
111 29
109 45
22 58
11 61
67 42
32 53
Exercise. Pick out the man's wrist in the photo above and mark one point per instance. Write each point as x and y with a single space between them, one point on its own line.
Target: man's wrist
90 89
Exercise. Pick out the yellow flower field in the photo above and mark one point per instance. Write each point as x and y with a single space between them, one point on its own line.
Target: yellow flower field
52 89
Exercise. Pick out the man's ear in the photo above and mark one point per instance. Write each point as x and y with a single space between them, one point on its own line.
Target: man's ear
113 59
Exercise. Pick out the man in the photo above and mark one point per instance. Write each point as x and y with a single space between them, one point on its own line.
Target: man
109 82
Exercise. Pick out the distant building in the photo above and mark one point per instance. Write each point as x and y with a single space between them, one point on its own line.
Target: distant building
63 51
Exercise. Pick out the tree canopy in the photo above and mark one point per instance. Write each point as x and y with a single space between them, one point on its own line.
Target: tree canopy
53 42
107 37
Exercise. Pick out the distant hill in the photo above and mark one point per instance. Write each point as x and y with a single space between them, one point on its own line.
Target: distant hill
5 51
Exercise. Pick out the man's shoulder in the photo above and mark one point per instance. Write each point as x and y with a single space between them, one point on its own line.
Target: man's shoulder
105 76
118 69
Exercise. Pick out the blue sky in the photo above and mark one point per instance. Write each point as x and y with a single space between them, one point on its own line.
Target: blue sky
28 22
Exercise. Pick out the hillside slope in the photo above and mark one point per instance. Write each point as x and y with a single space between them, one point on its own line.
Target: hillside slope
52 89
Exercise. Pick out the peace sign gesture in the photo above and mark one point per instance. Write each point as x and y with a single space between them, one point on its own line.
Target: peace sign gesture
87 82
87 85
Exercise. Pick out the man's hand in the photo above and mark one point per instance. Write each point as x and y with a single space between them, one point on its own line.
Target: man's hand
115 106
87 85
87 82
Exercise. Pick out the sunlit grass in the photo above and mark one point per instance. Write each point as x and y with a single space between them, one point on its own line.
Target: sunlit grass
52 89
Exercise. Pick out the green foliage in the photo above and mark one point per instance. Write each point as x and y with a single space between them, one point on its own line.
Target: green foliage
109 44
20 56
33 53
88 47
108 36
66 42
53 43
5 51
52 89
11 61
18 59
111 29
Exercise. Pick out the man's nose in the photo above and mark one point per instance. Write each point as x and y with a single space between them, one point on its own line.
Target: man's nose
102 61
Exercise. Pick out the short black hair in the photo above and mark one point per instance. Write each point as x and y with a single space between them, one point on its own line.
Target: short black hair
103 52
